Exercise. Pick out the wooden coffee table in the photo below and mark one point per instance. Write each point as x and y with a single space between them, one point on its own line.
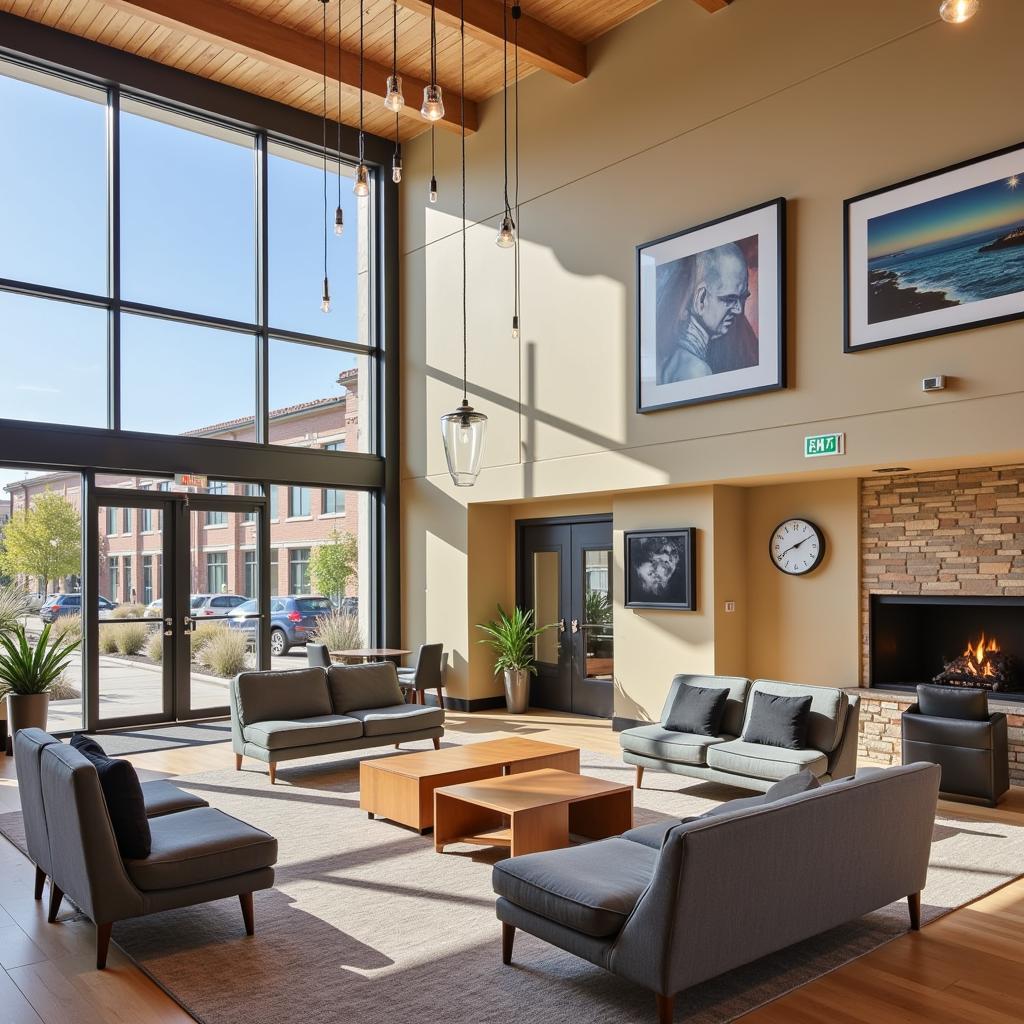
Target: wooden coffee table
402 788
531 812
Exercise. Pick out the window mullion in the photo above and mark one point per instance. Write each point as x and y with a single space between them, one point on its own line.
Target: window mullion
114 258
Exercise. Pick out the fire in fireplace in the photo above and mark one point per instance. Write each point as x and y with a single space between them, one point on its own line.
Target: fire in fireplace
983 665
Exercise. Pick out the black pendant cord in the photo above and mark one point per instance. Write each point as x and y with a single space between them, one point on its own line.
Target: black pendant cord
362 92
339 103
462 117
324 40
516 11
504 83
433 175
433 44
394 64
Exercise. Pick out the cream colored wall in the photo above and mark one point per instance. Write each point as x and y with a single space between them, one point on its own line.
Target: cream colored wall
687 117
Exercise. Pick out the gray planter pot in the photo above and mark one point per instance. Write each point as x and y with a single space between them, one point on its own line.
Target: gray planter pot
27 711
517 690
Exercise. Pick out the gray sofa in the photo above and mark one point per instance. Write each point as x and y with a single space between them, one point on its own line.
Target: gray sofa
280 716
832 737
198 854
672 906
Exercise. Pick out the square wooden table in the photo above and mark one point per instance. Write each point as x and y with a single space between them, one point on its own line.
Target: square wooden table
402 788
531 812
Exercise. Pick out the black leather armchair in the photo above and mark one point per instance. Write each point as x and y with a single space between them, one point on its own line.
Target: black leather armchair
953 728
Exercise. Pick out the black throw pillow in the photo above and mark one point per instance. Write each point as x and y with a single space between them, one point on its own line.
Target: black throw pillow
123 794
778 721
698 710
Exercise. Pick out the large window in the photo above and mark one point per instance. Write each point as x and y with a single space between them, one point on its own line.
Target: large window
298 571
299 504
216 572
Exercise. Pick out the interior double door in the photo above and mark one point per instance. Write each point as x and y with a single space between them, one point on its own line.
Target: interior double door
565 575
172 574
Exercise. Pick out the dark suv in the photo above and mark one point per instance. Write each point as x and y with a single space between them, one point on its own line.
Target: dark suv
58 605
292 619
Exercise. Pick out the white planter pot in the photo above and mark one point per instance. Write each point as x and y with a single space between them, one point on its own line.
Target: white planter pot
517 690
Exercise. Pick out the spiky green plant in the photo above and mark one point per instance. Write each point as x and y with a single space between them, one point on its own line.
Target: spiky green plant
27 669
511 637
338 630
15 605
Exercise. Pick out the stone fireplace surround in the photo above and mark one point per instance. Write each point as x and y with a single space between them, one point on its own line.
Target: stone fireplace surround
949 532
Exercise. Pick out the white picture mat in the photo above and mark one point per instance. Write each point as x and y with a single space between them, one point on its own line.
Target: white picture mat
932 321
764 223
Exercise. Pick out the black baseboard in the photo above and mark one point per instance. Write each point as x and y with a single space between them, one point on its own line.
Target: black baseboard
619 724
466 706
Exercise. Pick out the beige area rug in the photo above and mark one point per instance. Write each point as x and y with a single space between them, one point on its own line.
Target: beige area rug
367 924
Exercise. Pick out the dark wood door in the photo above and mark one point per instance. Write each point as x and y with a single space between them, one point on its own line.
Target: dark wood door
565 573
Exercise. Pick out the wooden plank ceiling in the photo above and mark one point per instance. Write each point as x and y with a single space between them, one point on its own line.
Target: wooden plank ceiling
273 47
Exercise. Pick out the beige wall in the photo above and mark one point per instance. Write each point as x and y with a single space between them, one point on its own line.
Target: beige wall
687 117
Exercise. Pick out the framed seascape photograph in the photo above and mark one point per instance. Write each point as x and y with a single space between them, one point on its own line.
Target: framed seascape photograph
661 569
942 252
711 310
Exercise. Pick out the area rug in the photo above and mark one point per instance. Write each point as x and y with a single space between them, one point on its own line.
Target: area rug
367 924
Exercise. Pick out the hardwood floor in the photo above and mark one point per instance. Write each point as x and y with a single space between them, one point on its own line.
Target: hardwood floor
968 966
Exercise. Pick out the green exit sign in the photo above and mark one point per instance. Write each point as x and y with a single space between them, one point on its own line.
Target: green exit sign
824 444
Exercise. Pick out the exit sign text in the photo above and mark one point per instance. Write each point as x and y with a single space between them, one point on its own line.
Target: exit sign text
824 444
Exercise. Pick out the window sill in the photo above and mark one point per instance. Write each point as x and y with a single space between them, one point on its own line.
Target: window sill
299 519
215 526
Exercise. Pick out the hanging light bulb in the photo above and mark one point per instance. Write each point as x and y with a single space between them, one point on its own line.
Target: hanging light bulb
339 222
506 233
396 167
325 298
325 295
958 11
463 431
433 103
394 100
362 186
515 327
433 190
339 214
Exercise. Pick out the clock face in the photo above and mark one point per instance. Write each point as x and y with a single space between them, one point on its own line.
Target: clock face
797 547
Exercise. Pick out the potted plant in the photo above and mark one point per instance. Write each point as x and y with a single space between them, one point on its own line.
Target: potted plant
511 637
15 606
27 672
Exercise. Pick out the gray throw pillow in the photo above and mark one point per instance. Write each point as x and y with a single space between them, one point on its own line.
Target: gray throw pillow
802 782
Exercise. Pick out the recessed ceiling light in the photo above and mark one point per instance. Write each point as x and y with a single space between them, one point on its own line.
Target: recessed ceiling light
892 469
956 12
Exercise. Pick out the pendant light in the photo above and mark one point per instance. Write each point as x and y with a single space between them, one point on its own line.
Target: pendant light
362 186
507 229
433 176
325 295
339 214
463 430
956 12
396 160
393 98
516 13
433 99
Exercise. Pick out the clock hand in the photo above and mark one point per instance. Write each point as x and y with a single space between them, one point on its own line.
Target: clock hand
792 546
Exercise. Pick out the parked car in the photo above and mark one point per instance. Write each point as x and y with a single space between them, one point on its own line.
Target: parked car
208 606
292 619
155 609
59 605
350 605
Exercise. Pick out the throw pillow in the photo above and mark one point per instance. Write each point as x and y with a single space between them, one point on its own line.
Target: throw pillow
778 721
953 702
698 710
802 782
123 794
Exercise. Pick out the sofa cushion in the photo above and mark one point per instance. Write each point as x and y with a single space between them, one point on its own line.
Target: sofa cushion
277 696
735 704
666 745
952 702
303 732
829 707
163 797
356 687
698 710
590 888
777 721
200 845
398 718
123 795
761 762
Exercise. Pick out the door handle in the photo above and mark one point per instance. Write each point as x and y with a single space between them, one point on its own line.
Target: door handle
575 625
561 625
168 632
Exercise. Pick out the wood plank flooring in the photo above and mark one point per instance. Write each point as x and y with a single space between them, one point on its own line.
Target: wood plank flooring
968 966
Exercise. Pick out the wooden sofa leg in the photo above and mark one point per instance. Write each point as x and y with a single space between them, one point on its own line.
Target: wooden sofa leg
508 938
272 768
437 743
238 762
55 899
639 776
245 899
666 1008
914 906
40 879
102 944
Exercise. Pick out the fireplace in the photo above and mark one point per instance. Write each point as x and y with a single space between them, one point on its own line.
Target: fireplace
955 641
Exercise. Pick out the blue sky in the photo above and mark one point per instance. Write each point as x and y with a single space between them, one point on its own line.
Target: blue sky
187 241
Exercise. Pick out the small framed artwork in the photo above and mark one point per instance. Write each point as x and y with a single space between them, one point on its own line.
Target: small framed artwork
939 253
661 569
711 310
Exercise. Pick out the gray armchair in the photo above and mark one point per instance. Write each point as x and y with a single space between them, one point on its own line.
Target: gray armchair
318 656
198 855
428 674
953 728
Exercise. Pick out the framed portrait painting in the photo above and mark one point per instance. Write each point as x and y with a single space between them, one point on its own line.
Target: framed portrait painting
661 569
939 253
711 310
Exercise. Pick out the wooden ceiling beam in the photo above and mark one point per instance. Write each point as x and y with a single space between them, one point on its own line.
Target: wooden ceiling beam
539 44
711 6
286 48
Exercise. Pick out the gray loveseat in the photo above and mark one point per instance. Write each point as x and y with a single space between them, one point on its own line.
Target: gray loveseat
670 907
831 752
280 716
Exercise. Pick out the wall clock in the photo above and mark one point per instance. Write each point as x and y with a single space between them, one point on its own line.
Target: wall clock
797 547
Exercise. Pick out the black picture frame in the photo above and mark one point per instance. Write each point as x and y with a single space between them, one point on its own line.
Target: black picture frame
913 328
679 590
771 372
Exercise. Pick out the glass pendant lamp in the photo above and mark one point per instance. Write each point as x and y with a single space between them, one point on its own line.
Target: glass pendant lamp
507 229
361 188
339 214
958 11
393 98
325 294
433 98
464 430
506 233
